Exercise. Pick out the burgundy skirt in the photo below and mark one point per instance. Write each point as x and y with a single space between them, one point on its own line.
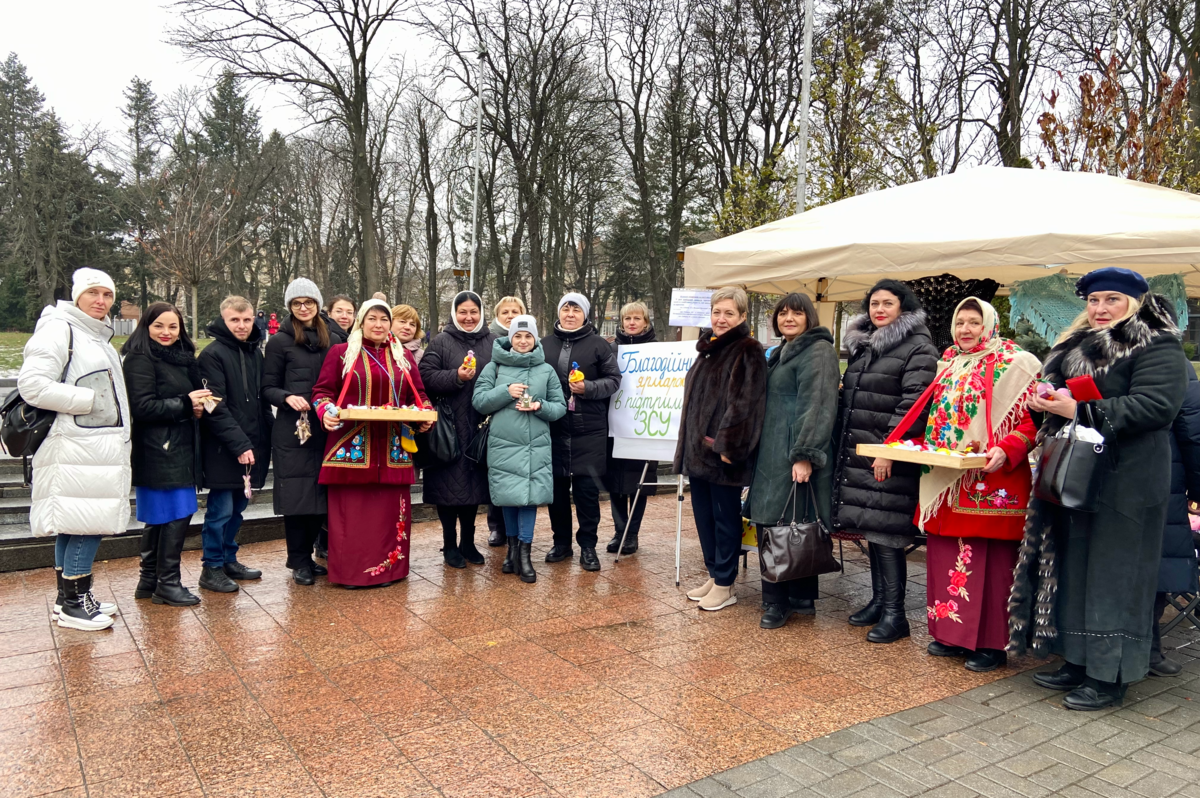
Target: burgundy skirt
368 534
968 583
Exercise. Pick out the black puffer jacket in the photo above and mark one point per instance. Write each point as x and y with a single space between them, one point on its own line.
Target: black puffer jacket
233 371
581 436
462 482
890 367
623 476
1177 571
724 403
165 454
292 368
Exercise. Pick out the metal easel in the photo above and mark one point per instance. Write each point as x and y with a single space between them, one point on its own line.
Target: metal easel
678 515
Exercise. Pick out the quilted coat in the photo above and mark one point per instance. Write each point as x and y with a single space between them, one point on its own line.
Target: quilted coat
581 436
81 474
520 458
166 440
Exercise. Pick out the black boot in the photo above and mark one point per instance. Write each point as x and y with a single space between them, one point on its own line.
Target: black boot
588 560
613 544
79 609
496 538
170 589
938 649
216 580
1160 665
870 614
450 552
1068 677
893 623
1094 695
497 534
986 659
776 615
467 547
148 552
510 561
559 553
524 563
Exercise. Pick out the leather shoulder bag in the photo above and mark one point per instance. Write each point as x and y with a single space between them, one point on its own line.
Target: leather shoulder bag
796 550
24 426
1071 472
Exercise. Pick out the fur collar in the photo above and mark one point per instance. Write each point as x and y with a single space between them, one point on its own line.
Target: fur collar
861 332
706 344
790 350
1092 352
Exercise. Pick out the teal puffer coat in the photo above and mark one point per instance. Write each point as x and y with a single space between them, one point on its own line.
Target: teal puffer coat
520 463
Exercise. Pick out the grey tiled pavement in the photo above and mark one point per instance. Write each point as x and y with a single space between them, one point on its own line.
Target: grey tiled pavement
1007 739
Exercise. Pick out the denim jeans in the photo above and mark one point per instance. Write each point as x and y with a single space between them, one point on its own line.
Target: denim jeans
74 553
222 520
520 520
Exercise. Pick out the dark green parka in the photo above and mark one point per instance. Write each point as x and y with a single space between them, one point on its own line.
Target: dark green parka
802 397
519 456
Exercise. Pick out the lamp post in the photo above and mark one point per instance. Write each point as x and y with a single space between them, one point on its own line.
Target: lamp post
802 167
475 193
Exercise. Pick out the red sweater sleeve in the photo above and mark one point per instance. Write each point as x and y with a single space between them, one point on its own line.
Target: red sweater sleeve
1018 443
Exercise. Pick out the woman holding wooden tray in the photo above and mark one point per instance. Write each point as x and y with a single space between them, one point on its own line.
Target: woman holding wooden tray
368 464
974 518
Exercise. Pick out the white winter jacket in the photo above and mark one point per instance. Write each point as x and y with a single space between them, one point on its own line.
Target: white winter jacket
81 472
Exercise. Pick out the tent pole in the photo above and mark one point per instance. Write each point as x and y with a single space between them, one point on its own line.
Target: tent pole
678 523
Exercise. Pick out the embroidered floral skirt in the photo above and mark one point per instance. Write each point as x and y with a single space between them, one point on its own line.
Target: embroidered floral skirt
369 527
968 583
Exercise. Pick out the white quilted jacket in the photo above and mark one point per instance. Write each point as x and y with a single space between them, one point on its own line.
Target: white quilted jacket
80 474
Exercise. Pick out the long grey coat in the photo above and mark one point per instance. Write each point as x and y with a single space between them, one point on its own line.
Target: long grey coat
1084 583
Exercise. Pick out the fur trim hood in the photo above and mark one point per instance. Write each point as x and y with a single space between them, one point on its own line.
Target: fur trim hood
861 332
1092 352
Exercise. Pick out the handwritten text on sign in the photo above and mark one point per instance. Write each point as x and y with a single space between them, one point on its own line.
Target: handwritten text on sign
649 403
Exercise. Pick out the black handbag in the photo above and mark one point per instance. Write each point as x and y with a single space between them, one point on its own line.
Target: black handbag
796 550
24 426
1071 472
476 450
438 446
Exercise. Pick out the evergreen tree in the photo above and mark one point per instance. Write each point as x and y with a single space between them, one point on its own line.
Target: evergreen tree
144 133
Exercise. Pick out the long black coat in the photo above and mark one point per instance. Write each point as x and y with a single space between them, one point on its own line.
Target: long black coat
622 476
724 403
1084 583
165 454
890 367
243 420
292 369
581 436
461 482
1177 569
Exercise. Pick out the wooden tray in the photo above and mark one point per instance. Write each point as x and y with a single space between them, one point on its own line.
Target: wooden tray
386 414
923 458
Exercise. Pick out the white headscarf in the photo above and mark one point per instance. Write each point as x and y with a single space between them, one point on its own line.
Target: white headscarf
354 343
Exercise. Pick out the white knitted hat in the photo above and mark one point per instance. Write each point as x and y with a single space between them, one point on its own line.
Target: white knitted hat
86 278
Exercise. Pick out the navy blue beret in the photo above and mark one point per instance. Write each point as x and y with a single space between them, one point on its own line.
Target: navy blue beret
1112 278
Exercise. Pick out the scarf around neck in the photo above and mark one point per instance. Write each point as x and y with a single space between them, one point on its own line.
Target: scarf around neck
960 392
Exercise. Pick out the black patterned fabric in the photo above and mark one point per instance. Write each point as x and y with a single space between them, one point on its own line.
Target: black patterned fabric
940 295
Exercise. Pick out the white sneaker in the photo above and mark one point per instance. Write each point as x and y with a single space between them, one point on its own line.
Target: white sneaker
718 598
697 593
106 607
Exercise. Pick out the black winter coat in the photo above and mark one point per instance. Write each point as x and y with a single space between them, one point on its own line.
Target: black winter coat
890 367
292 369
165 454
724 403
1177 570
233 371
581 436
462 482
622 476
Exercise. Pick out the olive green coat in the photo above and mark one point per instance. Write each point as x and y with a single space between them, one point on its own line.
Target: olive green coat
802 399
519 457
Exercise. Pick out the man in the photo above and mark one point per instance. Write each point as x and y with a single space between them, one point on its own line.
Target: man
237 439
581 436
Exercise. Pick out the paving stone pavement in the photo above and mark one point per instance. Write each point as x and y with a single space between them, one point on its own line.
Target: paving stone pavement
1007 739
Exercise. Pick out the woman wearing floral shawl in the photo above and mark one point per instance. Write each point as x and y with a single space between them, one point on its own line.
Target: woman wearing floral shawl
974 519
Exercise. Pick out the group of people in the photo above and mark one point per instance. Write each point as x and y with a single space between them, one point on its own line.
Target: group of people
170 421
1007 571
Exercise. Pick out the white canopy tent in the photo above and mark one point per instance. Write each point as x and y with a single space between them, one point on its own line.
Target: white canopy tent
1004 224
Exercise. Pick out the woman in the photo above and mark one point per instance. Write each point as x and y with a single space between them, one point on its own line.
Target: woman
406 326
449 367
507 309
293 362
1085 582
166 399
724 401
81 471
341 310
973 519
621 477
892 361
366 467
522 394
794 471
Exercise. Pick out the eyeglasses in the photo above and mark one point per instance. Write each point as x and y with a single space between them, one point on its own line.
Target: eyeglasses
307 304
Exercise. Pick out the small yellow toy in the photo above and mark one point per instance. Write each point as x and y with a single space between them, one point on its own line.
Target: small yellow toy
576 375
469 360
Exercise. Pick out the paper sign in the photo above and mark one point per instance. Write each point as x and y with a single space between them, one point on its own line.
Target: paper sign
649 404
691 307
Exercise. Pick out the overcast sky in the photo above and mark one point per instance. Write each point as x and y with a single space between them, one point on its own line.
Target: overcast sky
82 54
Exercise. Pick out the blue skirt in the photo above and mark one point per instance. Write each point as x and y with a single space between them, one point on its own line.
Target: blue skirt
157 506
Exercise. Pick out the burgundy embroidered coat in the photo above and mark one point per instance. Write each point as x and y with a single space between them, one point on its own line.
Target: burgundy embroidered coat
367 452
